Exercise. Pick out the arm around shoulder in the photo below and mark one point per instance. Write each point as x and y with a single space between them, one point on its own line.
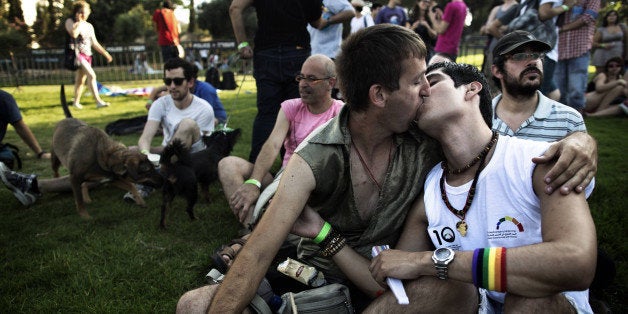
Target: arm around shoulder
575 166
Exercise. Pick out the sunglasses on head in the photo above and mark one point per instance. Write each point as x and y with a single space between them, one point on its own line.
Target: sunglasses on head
177 81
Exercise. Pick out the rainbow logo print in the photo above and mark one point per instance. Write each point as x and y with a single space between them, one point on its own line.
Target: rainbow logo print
513 220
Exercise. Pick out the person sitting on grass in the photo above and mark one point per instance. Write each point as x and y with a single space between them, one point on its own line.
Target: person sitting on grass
10 114
362 172
243 181
610 88
498 237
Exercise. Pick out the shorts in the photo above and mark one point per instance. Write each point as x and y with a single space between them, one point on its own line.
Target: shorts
83 57
578 299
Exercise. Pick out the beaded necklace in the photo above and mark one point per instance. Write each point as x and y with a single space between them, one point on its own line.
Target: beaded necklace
461 225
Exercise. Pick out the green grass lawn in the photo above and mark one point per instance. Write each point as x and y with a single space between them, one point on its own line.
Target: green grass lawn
53 261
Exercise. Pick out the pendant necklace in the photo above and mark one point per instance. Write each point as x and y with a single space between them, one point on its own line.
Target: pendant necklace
368 171
461 225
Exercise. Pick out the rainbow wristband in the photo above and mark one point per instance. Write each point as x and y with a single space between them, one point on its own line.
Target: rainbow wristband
254 182
323 233
489 268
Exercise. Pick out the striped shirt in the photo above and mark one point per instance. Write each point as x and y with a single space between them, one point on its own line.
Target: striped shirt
550 122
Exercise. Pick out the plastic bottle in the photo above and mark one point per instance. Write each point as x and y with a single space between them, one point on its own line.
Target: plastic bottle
265 291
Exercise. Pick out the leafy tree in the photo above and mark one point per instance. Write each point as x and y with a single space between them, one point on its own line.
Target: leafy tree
214 17
131 25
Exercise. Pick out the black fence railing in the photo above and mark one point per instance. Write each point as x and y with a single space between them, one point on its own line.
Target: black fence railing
139 62
130 63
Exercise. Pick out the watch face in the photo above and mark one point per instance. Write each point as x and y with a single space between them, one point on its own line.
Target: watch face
442 253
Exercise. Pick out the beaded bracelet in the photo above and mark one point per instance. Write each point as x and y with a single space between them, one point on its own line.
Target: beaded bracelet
489 268
332 244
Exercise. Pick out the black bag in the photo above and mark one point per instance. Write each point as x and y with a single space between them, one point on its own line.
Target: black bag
212 76
71 61
228 81
9 155
126 126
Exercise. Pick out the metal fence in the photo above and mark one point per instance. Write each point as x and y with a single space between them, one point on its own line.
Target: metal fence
130 63
139 62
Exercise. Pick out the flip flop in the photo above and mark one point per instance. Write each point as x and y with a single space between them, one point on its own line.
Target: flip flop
228 251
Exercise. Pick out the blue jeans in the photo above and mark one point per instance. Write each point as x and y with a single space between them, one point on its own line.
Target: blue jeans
274 70
571 77
549 83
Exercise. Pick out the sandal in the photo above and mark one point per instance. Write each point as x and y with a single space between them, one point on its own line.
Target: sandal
226 250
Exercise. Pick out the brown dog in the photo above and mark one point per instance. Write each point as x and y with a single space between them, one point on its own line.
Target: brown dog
90 155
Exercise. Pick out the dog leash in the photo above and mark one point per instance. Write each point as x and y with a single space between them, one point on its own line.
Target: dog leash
235 57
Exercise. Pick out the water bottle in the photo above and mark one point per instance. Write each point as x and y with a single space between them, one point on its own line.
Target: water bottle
265 291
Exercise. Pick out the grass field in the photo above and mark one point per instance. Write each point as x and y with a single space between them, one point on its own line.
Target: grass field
53 261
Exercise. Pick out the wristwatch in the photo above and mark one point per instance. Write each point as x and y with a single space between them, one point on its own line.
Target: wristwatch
442 257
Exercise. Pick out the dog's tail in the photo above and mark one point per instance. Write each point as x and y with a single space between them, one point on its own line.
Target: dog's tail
64 103
176 153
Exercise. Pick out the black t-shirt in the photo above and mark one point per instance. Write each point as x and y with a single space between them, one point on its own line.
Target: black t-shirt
284 22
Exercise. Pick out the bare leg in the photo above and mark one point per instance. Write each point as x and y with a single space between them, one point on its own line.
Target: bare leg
608 112
91 81
59 185
554 304
79 84
188 132
430 295
197 300
610 96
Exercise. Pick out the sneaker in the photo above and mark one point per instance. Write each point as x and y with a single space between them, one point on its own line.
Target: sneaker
142 189
78 106
102 104
23 186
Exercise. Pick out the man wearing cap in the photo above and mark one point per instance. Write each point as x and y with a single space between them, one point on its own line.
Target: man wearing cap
522 110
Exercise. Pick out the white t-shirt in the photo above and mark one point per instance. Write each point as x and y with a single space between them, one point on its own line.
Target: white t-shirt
168 115
358 23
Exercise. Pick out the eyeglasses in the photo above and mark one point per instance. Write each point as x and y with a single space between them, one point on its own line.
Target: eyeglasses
523 56
177 81
312 80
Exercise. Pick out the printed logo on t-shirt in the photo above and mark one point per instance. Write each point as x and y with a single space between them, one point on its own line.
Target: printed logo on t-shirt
506 228
444 236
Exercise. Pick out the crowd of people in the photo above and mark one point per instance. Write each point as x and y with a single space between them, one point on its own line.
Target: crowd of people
371 157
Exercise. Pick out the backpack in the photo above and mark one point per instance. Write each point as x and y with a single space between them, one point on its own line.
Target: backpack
212 76
228 81
126 126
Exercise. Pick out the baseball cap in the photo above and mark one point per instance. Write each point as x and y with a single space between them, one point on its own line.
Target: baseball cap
516 39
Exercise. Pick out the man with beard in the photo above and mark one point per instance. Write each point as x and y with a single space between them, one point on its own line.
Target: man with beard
181 114
522 110
243 181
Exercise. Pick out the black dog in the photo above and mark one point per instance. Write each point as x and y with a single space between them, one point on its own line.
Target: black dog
179 178
183 170
205 162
